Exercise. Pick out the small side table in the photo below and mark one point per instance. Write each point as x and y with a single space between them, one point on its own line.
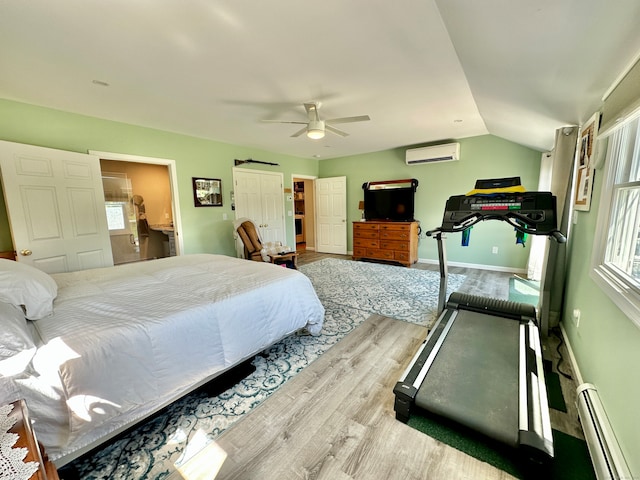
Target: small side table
282 258
27 439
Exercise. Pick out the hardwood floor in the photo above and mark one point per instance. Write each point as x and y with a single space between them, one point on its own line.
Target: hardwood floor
496 285
335 419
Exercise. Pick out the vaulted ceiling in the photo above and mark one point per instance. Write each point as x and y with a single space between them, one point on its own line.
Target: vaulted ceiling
423 70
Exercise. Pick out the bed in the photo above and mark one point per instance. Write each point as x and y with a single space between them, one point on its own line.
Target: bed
95 351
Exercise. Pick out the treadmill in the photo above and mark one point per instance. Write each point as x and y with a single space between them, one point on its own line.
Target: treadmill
481 365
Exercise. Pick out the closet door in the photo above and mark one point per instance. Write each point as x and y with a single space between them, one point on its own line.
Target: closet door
260 197
55 202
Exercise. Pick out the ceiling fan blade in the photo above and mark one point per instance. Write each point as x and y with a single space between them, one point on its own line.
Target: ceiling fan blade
283 121
335 130
300 132
360 118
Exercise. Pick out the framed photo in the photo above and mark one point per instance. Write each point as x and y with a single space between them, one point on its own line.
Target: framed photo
207 192
585 163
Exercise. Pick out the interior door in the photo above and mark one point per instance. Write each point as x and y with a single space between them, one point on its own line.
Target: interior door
55 203
272 197
260 197
331 215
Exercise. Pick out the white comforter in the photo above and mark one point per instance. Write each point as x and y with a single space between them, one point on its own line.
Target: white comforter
127 340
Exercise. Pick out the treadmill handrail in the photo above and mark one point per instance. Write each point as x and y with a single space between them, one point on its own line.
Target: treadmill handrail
556 234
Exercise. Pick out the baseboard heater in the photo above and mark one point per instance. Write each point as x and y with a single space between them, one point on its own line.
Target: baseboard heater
607 458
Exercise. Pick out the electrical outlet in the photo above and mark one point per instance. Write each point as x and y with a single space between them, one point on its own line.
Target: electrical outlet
576 317
494 250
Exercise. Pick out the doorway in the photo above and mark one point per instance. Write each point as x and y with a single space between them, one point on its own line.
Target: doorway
139 212
142 205
259 196
304 211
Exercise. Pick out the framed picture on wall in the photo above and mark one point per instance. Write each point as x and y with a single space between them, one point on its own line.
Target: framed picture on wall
585 163
207 192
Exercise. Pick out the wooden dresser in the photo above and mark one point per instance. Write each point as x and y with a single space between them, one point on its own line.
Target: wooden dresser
27 439
391 241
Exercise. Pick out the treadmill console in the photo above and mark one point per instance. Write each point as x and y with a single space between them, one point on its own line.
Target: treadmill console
530 212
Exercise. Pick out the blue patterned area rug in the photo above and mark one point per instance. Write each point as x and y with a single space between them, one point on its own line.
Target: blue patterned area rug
350 292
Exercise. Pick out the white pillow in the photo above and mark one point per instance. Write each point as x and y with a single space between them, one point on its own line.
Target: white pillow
16 342
24 285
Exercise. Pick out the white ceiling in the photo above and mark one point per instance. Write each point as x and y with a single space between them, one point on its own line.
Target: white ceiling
423 70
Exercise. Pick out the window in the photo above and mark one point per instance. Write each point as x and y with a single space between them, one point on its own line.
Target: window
117 217
617 248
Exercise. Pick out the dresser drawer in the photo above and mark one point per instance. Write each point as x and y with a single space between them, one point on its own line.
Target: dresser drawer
379 254
394 226
404 234
359 252
401 256
365 226
365 234
366 242
391 245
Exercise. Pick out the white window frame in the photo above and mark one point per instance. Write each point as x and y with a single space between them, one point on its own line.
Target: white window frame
616 284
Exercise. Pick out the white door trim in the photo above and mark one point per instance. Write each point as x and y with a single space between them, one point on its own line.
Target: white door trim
173 180
315 217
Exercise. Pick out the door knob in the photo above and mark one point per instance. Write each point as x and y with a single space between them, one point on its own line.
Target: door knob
25 252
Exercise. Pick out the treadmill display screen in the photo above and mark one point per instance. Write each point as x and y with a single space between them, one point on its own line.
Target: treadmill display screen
536 210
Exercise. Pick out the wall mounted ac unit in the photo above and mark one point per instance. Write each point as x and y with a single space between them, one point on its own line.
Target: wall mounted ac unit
438 153
606 456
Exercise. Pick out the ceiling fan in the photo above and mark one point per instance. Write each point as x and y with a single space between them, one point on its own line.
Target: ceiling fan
315 127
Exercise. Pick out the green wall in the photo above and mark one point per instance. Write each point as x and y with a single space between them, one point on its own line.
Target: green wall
485 156
204 230
607 343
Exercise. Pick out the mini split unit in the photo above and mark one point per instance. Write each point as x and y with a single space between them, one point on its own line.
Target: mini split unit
438 153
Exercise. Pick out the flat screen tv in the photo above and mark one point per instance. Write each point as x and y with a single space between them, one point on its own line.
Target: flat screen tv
392 202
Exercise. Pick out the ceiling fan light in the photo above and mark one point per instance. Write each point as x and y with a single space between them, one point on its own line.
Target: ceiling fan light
315 133
315 129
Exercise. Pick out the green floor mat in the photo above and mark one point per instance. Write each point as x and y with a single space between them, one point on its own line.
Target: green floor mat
571 462
554 391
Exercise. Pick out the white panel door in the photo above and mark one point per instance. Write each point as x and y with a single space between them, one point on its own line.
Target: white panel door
331 215
260 197
247 195
55 203
272 197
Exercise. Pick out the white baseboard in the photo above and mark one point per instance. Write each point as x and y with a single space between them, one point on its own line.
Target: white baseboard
478 266
574 364
469 265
